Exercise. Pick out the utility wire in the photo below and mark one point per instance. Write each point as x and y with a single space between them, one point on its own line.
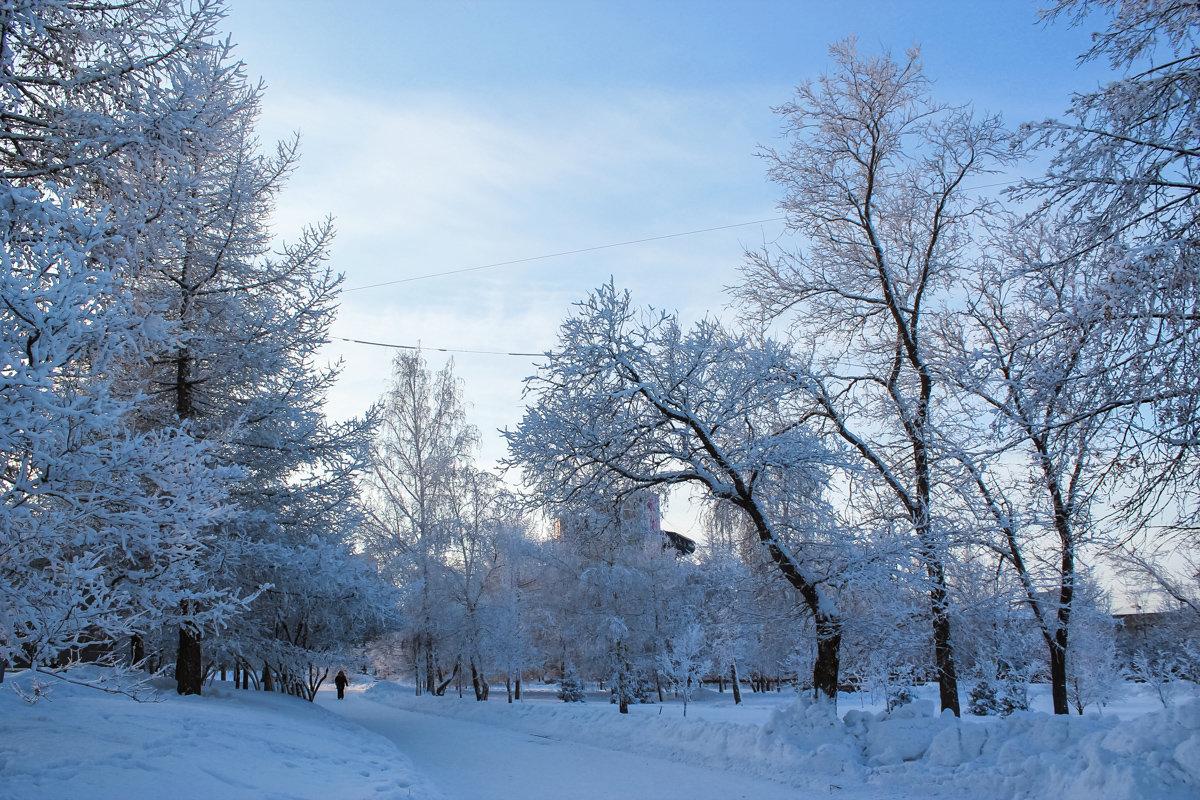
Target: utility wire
564 253
542 258
437 349
593 249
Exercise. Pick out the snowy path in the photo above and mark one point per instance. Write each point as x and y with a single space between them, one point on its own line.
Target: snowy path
471 761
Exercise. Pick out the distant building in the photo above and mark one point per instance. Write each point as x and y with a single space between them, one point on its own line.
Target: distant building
1164 632
637 515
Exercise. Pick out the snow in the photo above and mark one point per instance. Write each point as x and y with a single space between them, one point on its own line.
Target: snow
911 752
226 744
497 758
382 741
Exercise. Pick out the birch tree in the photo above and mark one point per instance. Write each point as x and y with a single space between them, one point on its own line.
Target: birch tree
424 440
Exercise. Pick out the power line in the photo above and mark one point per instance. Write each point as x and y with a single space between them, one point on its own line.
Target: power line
437 349
563 253
542 258
593 249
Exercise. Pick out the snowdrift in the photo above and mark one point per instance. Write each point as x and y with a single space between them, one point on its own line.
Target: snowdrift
1155 756
81 742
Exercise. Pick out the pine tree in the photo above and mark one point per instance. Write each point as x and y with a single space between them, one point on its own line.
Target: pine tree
105 522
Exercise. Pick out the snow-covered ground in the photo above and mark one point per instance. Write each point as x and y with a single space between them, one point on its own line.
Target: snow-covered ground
79 742
383 742
513 758
1136 753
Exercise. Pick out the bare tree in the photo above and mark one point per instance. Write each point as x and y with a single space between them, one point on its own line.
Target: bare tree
875 177
1124 170
1051 395
423 441
629 402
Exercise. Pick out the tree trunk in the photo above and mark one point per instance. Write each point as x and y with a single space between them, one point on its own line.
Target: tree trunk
189 672
430 670
268 681
1058 645
440 690
1055 636
733 683
829 639
622 680
1066 590
137 649
1058 673
477 682
827 664
942 648
316 676
189 675
518 687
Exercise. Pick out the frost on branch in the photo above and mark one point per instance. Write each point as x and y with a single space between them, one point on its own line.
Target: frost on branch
102 526
629 401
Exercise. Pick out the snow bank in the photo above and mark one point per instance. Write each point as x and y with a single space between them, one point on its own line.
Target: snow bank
746 749
81 742
1155 756
1027 755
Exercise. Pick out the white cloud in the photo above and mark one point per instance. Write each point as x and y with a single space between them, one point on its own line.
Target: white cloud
424 183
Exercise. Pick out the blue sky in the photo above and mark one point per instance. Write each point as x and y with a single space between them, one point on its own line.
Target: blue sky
449 135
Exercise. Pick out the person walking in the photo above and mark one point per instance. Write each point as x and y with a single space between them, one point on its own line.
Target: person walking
340 682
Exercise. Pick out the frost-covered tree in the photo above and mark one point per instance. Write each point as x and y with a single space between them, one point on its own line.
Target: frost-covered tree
81 85
511 604
628 402
684 659
1168 570
446 532
1124 163
571 687
611 591
84 84
1093 664
423 438
1059 394
242 367
726 612
875 175
480 577
103 527
138 114
886 637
